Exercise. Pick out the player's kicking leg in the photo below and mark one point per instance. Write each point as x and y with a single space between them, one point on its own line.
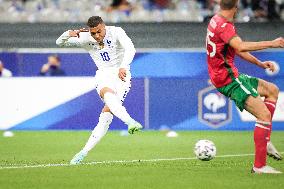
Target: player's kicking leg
113 106
98 133
270 92
256 107
117 109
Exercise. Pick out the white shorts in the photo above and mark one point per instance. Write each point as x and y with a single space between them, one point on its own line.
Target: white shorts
109 78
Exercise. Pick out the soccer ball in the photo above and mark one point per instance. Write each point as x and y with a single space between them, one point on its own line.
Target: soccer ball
205 150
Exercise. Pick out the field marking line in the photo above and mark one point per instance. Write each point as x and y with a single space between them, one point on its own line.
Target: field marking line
118 161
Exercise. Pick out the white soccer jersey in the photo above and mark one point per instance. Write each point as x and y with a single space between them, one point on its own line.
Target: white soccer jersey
118 51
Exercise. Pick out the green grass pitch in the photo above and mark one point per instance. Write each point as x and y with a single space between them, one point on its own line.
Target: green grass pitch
58 147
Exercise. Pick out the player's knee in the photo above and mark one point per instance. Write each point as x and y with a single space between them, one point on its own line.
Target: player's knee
103 91
106 109
274 90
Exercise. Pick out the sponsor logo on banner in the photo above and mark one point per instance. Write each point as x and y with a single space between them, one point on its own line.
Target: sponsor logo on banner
278 114
214 109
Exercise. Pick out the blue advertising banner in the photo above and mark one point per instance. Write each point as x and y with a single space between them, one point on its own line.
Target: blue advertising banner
191 104
170 90
191 64
60 103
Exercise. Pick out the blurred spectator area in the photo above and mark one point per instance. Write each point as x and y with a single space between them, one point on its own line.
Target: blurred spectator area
12 11
143 35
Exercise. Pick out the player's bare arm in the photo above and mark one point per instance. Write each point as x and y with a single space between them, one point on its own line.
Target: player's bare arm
70 38
243 46
252 59
76 33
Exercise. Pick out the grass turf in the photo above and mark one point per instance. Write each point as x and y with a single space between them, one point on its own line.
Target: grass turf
33 148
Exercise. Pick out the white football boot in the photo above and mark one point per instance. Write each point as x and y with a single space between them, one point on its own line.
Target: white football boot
265 170
272 151
78 158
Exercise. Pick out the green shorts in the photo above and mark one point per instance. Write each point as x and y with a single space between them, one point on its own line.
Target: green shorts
240 89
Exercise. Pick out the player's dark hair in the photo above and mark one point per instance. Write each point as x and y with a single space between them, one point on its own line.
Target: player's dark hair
94 21
228 4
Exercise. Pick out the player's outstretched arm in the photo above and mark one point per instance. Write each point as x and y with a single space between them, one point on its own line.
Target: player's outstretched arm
69 38
252 59
243 46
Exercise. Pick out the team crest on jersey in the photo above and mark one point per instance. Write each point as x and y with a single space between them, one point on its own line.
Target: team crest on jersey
214 109
109 44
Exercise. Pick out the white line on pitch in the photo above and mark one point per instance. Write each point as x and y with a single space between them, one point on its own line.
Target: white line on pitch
118 161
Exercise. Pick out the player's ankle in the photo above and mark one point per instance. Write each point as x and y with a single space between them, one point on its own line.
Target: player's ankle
130 122
258 166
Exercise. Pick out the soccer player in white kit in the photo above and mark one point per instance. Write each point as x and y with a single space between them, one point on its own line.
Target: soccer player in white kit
112 51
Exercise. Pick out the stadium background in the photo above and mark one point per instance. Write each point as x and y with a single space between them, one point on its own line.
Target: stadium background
50 118
170 81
